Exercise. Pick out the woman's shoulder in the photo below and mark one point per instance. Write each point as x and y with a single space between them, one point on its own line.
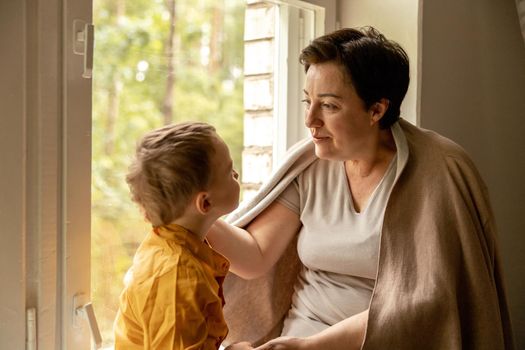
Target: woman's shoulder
320 169
436 154
430 145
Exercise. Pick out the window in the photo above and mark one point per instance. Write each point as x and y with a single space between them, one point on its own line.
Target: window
46 204
156 62
159 62
275 33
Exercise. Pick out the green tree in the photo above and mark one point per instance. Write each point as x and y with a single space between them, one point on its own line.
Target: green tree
155 62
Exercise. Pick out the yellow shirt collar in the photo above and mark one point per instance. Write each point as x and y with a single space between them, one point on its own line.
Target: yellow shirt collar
200 249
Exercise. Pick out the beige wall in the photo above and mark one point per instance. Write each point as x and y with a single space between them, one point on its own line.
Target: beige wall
472 89
397 20
12 170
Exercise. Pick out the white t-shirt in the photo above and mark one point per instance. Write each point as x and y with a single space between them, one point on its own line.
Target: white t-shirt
337 246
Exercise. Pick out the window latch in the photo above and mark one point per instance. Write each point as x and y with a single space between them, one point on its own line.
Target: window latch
83 310
83 43
31 329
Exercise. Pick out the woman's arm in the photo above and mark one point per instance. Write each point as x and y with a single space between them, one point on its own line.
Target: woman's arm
256 249
345 335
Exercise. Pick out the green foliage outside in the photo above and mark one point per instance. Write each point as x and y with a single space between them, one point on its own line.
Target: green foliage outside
129 90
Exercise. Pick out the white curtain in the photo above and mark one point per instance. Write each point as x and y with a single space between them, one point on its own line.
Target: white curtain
521 14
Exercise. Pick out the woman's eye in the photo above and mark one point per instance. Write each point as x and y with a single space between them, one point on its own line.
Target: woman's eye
329 106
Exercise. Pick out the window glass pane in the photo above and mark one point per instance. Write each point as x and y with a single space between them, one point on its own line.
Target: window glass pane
156 62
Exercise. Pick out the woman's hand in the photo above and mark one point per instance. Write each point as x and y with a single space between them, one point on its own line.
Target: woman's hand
285 343
345 335
240 346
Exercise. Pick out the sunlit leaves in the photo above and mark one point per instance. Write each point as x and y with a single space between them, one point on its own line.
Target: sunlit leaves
130 74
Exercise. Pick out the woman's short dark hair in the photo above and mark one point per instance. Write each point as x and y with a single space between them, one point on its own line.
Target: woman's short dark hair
378 68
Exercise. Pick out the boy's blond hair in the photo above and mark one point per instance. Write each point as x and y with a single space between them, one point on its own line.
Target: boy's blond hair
171 164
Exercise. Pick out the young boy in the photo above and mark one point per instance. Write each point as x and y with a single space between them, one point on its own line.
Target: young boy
183 180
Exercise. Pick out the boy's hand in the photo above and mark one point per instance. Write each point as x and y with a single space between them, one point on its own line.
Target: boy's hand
240 346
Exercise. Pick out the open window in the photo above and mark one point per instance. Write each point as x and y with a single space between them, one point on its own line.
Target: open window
156 62
230 63
57 231
275 33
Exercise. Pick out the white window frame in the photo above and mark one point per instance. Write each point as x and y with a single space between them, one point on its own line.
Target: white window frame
75 243
45 137
292 33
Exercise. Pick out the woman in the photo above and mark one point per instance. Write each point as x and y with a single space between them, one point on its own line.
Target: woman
391 223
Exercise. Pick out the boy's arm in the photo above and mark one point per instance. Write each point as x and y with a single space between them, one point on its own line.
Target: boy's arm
255 250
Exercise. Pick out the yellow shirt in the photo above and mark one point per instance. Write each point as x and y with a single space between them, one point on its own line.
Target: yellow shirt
173 294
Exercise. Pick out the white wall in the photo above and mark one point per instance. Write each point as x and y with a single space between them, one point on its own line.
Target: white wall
397 20
471 84
473 91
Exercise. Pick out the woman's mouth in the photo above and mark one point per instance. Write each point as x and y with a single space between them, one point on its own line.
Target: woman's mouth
319 138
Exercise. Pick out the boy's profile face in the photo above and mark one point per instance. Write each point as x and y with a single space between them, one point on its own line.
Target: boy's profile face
224 186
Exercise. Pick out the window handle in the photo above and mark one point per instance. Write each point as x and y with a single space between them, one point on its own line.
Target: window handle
31 329
83 44
84 311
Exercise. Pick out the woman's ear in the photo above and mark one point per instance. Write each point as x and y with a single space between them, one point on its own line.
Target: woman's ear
202 202
378 110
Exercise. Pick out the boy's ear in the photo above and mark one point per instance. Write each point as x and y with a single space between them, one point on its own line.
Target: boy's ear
378 110
202 203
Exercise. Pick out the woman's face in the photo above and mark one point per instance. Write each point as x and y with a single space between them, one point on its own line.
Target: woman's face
340 124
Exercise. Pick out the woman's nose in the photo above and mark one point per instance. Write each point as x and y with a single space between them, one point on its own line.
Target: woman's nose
311 119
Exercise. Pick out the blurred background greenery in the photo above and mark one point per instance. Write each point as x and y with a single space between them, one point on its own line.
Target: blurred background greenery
156 62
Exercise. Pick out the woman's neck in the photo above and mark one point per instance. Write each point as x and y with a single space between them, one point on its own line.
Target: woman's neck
376 159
